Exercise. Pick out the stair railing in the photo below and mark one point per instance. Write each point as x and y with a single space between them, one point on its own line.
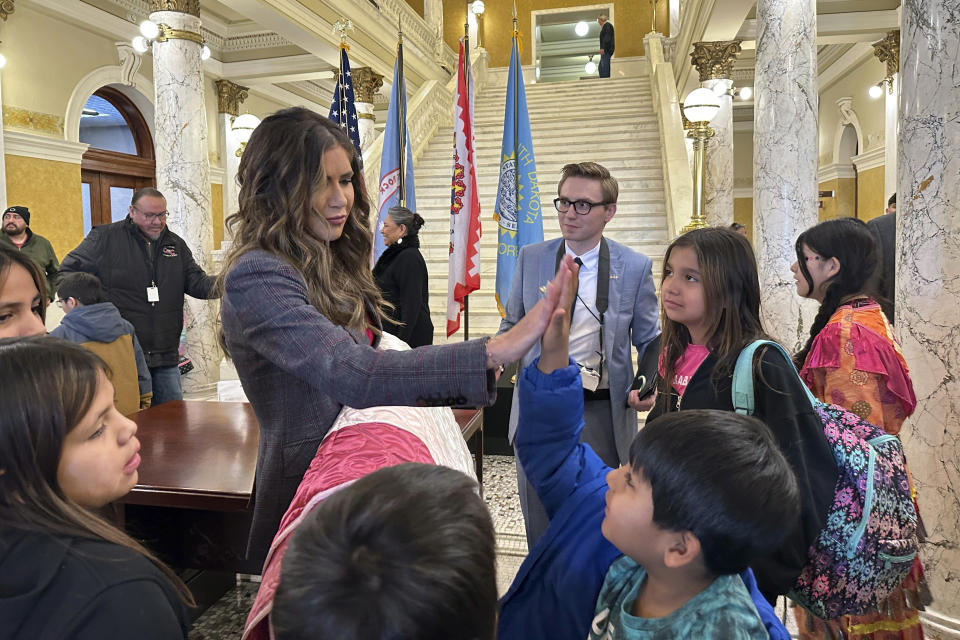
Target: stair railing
430 109
677 178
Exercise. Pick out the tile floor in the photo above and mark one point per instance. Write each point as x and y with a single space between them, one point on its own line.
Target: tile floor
224 620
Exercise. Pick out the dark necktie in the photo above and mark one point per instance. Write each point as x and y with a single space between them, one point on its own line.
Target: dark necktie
580 264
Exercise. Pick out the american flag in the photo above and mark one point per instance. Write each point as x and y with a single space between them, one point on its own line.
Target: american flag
343 111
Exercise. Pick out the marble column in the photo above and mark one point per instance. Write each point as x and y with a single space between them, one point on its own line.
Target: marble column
714 62
784 158
229 98
366 82
888 51
183 166
928 286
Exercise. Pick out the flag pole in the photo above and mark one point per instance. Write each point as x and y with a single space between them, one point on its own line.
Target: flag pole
466 83
401 115
517 72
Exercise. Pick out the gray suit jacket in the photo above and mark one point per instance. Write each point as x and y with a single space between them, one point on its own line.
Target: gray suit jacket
631 318
298 370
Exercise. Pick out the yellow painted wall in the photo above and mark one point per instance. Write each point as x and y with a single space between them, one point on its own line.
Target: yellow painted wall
631 21
216 207
871 201
52 192
416 5
743 213
843 204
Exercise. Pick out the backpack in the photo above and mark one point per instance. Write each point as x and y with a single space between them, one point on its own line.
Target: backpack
869 542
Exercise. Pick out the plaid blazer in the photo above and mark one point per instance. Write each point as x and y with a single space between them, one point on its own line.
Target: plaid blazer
298 370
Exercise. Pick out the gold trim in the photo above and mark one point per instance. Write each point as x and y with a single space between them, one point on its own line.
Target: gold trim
180 6
714 60
888 51
169 33
15 118
6 8
230 96
367 116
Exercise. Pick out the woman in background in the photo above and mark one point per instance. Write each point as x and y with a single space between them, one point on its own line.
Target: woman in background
401 275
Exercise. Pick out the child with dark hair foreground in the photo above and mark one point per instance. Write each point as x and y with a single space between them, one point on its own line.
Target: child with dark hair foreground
406 552
652 549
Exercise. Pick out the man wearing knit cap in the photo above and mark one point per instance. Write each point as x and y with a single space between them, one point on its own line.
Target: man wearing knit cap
17 233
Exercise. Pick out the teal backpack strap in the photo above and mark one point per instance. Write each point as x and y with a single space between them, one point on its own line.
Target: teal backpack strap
742 387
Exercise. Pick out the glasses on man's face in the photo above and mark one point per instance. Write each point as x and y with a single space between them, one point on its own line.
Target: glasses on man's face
581 207
151 217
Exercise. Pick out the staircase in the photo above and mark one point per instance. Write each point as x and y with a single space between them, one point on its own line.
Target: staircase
570 123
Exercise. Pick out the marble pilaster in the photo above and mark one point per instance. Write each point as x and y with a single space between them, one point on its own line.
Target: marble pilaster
183 168
229 98
784 158
366 83
3 164
928 286
714 61
888 52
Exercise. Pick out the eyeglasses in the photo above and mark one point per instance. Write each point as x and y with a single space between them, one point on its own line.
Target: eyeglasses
582 207
152 216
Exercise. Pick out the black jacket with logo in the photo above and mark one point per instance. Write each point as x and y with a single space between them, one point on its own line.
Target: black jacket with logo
127 263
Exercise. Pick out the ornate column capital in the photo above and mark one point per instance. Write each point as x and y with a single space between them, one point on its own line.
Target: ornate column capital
714 60
366 82
888 51
230 96
182 6
6 8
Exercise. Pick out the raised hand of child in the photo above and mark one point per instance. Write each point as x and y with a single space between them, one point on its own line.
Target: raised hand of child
510 346
555 344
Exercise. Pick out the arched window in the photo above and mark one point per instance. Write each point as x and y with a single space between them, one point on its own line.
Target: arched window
120 159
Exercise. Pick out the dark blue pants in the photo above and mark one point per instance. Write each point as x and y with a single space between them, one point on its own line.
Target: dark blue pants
604 69
166 384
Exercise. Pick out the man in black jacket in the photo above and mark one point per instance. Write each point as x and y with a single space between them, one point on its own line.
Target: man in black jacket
884 230
606 45
146 269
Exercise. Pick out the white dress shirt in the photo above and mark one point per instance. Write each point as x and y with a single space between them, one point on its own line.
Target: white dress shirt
585 326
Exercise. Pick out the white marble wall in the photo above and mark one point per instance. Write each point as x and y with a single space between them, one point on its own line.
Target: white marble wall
3 165
928 283
183 169
891 119
784 158
367 131
718 183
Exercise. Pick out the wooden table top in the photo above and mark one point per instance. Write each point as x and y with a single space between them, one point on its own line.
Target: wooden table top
470 420
203 455
195 454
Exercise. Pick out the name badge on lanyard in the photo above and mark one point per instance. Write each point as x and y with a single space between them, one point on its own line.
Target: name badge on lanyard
153 294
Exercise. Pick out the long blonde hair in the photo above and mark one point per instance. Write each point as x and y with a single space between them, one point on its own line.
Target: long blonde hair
281 168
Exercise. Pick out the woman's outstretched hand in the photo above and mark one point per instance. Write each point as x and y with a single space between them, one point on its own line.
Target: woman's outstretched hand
510 346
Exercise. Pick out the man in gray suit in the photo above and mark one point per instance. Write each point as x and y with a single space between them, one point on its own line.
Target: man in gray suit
616 306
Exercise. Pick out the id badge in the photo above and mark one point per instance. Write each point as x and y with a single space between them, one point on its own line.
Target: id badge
153 294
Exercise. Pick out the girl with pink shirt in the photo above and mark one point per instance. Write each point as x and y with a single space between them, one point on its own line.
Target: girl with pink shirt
710 297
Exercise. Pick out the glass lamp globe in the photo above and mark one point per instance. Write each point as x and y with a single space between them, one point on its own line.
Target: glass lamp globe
149 29
701 105
478 7
244 125
581 28
590 68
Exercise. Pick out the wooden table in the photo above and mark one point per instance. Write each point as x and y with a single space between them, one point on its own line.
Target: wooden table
196 455
471 427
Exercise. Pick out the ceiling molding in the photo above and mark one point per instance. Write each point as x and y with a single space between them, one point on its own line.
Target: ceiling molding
856 55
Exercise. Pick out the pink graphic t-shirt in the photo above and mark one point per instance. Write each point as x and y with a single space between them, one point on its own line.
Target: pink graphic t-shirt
686 366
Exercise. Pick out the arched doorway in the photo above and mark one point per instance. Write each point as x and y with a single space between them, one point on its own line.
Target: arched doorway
120 159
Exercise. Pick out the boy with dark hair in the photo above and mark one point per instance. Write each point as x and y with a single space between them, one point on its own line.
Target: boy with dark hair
97 326
652 549
404 552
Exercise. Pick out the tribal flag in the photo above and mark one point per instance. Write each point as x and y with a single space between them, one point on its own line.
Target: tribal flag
518 193
392 192
464 201
342 110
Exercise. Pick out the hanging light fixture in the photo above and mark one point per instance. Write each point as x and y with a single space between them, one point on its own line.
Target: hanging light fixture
242 127
591 67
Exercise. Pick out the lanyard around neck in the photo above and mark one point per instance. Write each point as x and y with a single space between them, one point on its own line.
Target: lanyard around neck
603 276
